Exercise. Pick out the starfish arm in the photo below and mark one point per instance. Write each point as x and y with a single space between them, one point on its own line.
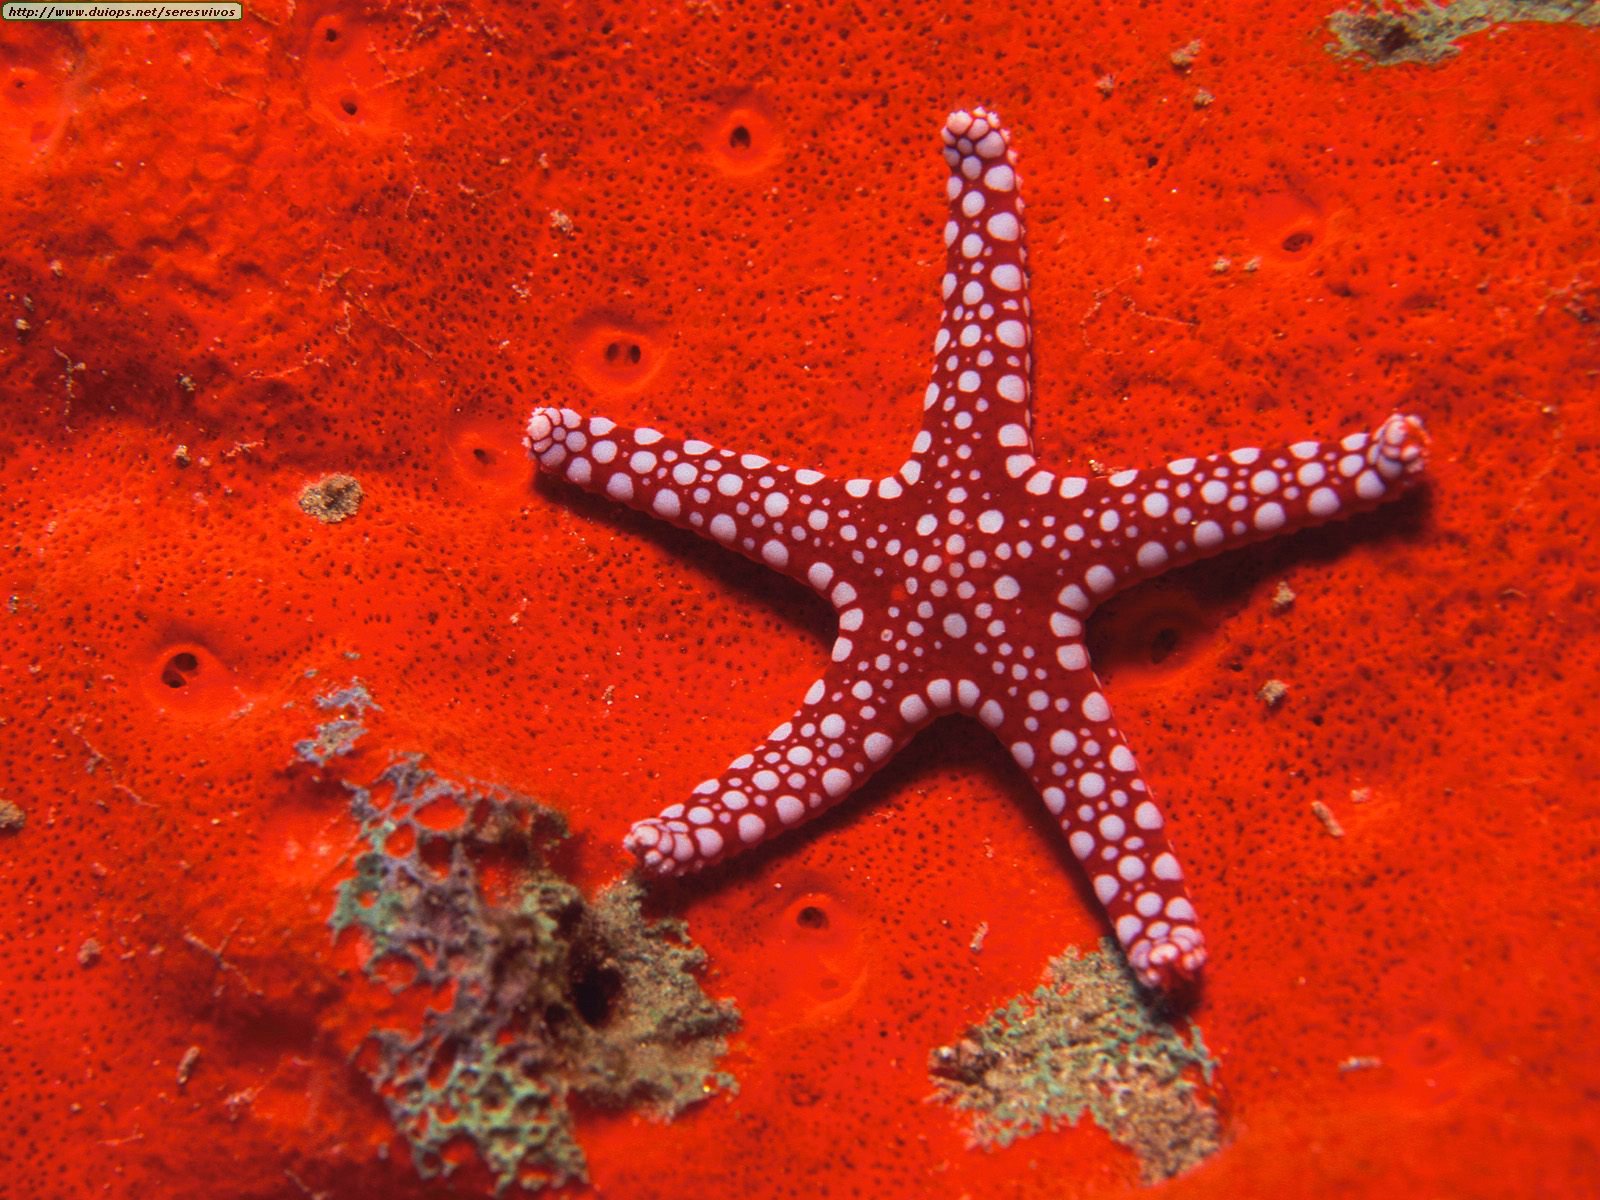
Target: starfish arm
1196 507
1064 737
776 515
846 728
978 408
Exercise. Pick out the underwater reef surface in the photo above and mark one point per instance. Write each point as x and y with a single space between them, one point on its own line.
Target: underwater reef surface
321 721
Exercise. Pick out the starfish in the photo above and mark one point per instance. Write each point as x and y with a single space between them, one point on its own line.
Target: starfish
963 580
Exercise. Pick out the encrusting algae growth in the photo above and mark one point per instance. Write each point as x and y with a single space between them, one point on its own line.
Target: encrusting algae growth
549 996
277 298
1086 1040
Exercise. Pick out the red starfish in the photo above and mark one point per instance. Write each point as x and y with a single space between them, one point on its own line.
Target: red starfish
963 580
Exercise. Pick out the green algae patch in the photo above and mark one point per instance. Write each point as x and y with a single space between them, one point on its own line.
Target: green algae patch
1386 36
552 997
1086 1041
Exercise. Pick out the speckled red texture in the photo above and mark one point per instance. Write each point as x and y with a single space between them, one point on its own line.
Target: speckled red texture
368 240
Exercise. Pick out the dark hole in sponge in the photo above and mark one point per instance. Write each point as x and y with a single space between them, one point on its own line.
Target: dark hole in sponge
595 988
811 917
739 138
178 669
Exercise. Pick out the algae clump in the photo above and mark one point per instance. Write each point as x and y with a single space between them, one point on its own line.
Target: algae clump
551 996
1086 1040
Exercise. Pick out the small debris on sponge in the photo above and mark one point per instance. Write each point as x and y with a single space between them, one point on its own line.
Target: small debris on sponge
1184 56
331 499
1329 822
186 1065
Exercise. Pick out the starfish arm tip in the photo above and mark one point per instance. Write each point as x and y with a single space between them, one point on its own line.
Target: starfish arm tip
664 847
1170 961
546 428
1402 445
975 123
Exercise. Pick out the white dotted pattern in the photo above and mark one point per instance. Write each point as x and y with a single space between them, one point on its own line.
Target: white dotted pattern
963 580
